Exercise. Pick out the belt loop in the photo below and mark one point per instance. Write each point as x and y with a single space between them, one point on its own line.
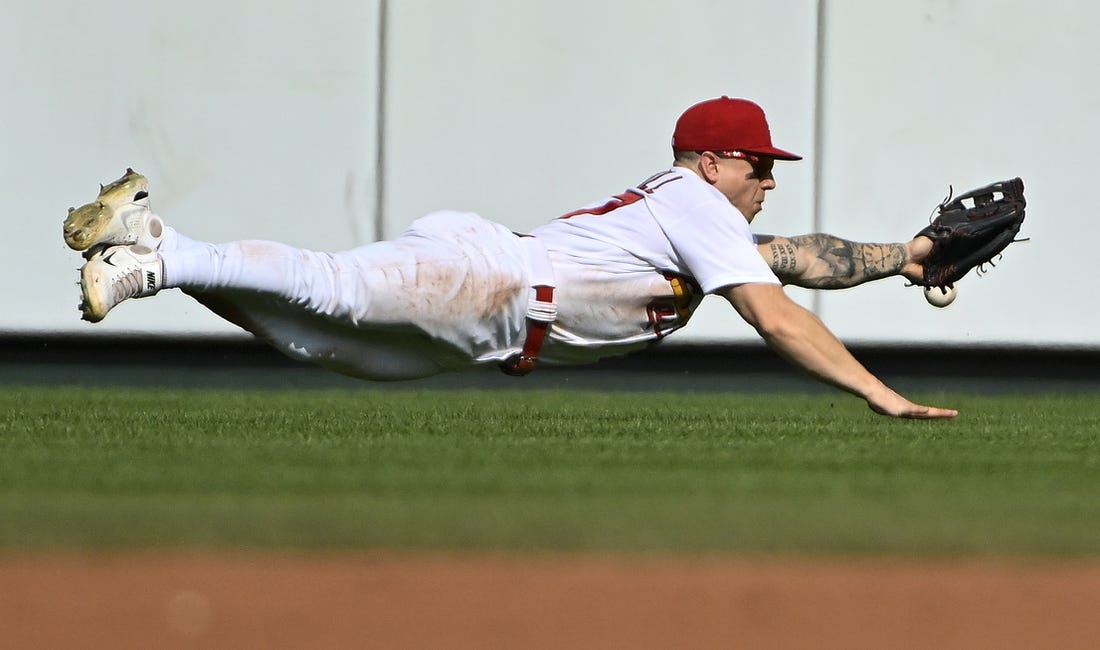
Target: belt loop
541 309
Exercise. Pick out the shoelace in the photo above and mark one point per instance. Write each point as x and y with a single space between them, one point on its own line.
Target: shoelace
127 286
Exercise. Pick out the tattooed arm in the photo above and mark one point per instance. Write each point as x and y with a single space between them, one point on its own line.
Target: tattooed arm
820 261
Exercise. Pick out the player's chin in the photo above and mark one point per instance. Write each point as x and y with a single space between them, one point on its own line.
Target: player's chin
749 210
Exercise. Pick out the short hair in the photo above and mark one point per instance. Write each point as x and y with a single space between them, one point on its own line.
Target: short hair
684 156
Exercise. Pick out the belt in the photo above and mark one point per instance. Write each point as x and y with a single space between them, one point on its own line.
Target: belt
541 308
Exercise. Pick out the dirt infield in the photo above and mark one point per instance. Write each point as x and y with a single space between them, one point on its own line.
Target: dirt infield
486 601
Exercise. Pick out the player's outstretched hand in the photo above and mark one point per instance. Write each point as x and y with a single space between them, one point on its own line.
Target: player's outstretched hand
890 403
918 248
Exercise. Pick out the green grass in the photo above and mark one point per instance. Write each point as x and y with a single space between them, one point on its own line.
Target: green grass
525 470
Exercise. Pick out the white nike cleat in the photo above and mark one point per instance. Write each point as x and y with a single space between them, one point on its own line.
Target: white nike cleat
119 216
119 273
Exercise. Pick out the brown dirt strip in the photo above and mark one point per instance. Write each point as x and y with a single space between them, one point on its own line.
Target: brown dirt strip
407 600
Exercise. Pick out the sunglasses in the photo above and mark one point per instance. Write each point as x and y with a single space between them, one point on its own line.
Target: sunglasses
741 155
761 165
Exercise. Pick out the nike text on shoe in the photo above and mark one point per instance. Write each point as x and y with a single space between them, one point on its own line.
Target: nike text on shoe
120 215
119 273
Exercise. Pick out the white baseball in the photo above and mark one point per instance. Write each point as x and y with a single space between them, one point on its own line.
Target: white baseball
941 298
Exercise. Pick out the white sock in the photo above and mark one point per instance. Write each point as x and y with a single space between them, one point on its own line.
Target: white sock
301 276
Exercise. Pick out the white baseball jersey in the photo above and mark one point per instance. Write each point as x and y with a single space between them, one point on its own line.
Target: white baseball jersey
632 268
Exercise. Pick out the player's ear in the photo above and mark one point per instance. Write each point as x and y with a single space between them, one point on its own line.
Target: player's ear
708 166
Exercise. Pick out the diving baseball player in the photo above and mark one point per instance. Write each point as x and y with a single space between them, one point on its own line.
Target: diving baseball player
457 291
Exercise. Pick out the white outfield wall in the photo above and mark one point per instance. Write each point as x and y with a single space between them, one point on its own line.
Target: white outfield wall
276 120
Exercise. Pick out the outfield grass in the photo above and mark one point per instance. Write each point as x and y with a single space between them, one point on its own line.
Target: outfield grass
525 470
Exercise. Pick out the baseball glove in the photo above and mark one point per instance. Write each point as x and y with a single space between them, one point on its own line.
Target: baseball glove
971 229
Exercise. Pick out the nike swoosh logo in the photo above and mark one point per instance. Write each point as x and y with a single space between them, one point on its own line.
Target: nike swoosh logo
107 259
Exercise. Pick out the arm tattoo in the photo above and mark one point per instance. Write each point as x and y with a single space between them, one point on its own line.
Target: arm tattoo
783 258
821 261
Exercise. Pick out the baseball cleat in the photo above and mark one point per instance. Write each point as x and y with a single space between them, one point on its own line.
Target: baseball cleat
118 273
119 216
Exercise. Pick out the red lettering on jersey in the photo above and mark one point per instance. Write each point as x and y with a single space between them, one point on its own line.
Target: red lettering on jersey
666 315
632 195
661 315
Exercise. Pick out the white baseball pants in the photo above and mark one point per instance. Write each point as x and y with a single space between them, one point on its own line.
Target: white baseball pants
451 292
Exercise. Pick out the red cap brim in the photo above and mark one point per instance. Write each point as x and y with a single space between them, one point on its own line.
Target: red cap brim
774 152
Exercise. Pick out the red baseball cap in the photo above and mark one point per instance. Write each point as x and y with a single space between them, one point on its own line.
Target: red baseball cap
726 124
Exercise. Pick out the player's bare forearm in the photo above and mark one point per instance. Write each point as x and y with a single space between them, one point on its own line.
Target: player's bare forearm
799 336
820 261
